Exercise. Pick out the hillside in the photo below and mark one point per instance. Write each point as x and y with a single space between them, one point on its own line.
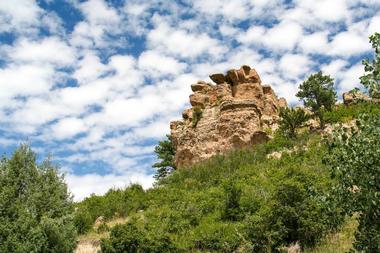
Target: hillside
245 201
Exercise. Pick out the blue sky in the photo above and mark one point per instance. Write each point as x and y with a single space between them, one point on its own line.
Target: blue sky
95 83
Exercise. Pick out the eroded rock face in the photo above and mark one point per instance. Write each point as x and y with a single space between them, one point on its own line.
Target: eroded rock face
234 113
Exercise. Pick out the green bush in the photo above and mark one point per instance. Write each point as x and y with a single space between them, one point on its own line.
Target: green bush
130 238
291 120
344 113
354 157
36 210
83 221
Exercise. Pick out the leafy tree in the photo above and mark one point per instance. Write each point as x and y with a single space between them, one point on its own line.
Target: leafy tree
165 153
291 119
318 93
355 162
35 206
371 77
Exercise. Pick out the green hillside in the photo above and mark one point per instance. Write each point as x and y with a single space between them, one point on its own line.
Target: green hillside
245 201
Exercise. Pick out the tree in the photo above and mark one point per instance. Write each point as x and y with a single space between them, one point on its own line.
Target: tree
36 210
318 93
371 77
291 119
355 162
165 153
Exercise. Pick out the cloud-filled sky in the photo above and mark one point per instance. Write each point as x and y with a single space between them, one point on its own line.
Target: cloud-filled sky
95 83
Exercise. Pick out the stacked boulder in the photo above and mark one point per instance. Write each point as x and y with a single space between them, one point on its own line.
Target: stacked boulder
237 112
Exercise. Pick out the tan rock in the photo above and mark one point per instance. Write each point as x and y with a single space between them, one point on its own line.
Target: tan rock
218 78
282 103
200 86
198 99
234 114
354 97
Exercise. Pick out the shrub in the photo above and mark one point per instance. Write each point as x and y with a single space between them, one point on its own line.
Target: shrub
197 115
354 158
130 238
291 119
83 221
36 210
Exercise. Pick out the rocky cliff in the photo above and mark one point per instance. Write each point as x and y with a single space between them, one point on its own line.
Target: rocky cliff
236 112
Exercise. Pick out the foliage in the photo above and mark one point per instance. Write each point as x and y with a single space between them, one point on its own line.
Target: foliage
165 153
232 210
355 161
83 221
240 201
35 206
318 93
291 119
130 238
371 77
116 202
345 113
197 115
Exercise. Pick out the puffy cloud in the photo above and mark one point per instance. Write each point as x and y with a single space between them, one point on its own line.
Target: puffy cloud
158 64
68 127
183 43
19 17
293 66
349 43
84 185
51 50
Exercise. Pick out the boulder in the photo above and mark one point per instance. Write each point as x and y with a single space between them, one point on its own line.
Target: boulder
200 86
232 114
218 78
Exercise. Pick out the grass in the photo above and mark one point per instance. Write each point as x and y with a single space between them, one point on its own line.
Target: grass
339 242
344 113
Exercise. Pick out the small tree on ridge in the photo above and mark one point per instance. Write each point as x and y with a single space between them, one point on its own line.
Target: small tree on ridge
318 93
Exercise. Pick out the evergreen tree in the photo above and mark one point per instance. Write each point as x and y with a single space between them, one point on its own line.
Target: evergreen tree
165 154
291 119
35 206
318 93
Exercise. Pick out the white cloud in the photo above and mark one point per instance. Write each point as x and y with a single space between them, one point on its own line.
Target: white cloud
374 25
349 43
182 43
158 64
90 68
283 36
334 68
68 127
293 66
98 12
19 17
25 80
349 78
84 185
51 50
314 43
325 10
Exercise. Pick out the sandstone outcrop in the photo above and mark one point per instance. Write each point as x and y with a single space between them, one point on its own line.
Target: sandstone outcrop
236 112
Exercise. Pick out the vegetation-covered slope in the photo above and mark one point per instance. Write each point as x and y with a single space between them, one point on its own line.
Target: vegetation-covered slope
246 201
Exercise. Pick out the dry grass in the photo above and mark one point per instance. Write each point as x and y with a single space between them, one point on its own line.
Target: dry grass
90 242
339 242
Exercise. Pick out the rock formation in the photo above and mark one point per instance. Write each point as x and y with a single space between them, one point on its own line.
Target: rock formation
236 112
